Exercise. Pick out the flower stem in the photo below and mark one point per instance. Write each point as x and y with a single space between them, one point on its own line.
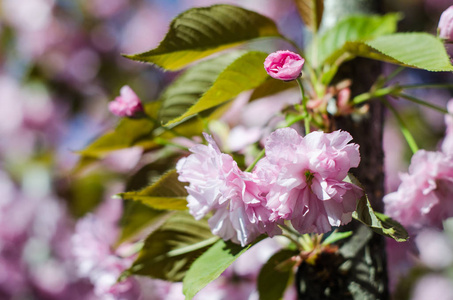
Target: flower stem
422 102
162 128
292 239
375 94
394 73
164 142
260 156
404 130
304 107
422 86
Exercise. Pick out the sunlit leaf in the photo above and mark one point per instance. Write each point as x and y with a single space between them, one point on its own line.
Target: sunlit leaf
170 250
139 219
354 28
129 132
168 193
311 12
202 31
336 236
275 275
191 85
210 265
420 50
243 74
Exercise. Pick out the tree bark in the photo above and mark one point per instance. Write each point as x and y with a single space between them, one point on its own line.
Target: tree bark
358 269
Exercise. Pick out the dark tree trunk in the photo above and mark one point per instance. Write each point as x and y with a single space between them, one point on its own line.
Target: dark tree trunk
358 270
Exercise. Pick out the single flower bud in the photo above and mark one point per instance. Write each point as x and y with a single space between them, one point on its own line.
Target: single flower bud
127 104
284 65
445 26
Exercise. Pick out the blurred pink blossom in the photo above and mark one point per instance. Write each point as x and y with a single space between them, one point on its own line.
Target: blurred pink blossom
284 65
217 184
127 104
134 39
445 26
304 178
425 194
123 160
95 257
105 9
433 286
241 136
436 249
401 257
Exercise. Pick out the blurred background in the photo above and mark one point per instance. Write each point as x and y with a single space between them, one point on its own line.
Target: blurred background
60 65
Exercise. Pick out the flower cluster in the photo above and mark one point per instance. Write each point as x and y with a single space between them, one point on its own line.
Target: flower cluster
299 180
424 196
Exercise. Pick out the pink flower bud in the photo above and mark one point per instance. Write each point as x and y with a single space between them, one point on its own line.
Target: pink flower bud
127 104
446 24
284 65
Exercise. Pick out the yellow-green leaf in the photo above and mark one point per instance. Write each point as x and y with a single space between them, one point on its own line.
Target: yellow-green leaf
129 132
311 12
181 94
355 28
420 50
202 31
168 193
170 250
210 265
243 74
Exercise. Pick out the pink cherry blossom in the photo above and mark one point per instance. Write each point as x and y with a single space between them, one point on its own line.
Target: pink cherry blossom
284 65
435 247
127 104
433 286
446 24
97 260
304 178
218 185
425 195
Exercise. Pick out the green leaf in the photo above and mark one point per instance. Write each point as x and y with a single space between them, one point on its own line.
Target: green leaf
419 50
210 265
378 222
271 87
336 236
311 12
355 28
170 250
243 74
202 31
168 193
129 132
139 218
85 193
276 275
191 85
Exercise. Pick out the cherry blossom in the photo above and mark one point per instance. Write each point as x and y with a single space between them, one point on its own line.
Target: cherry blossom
305 178
218 185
